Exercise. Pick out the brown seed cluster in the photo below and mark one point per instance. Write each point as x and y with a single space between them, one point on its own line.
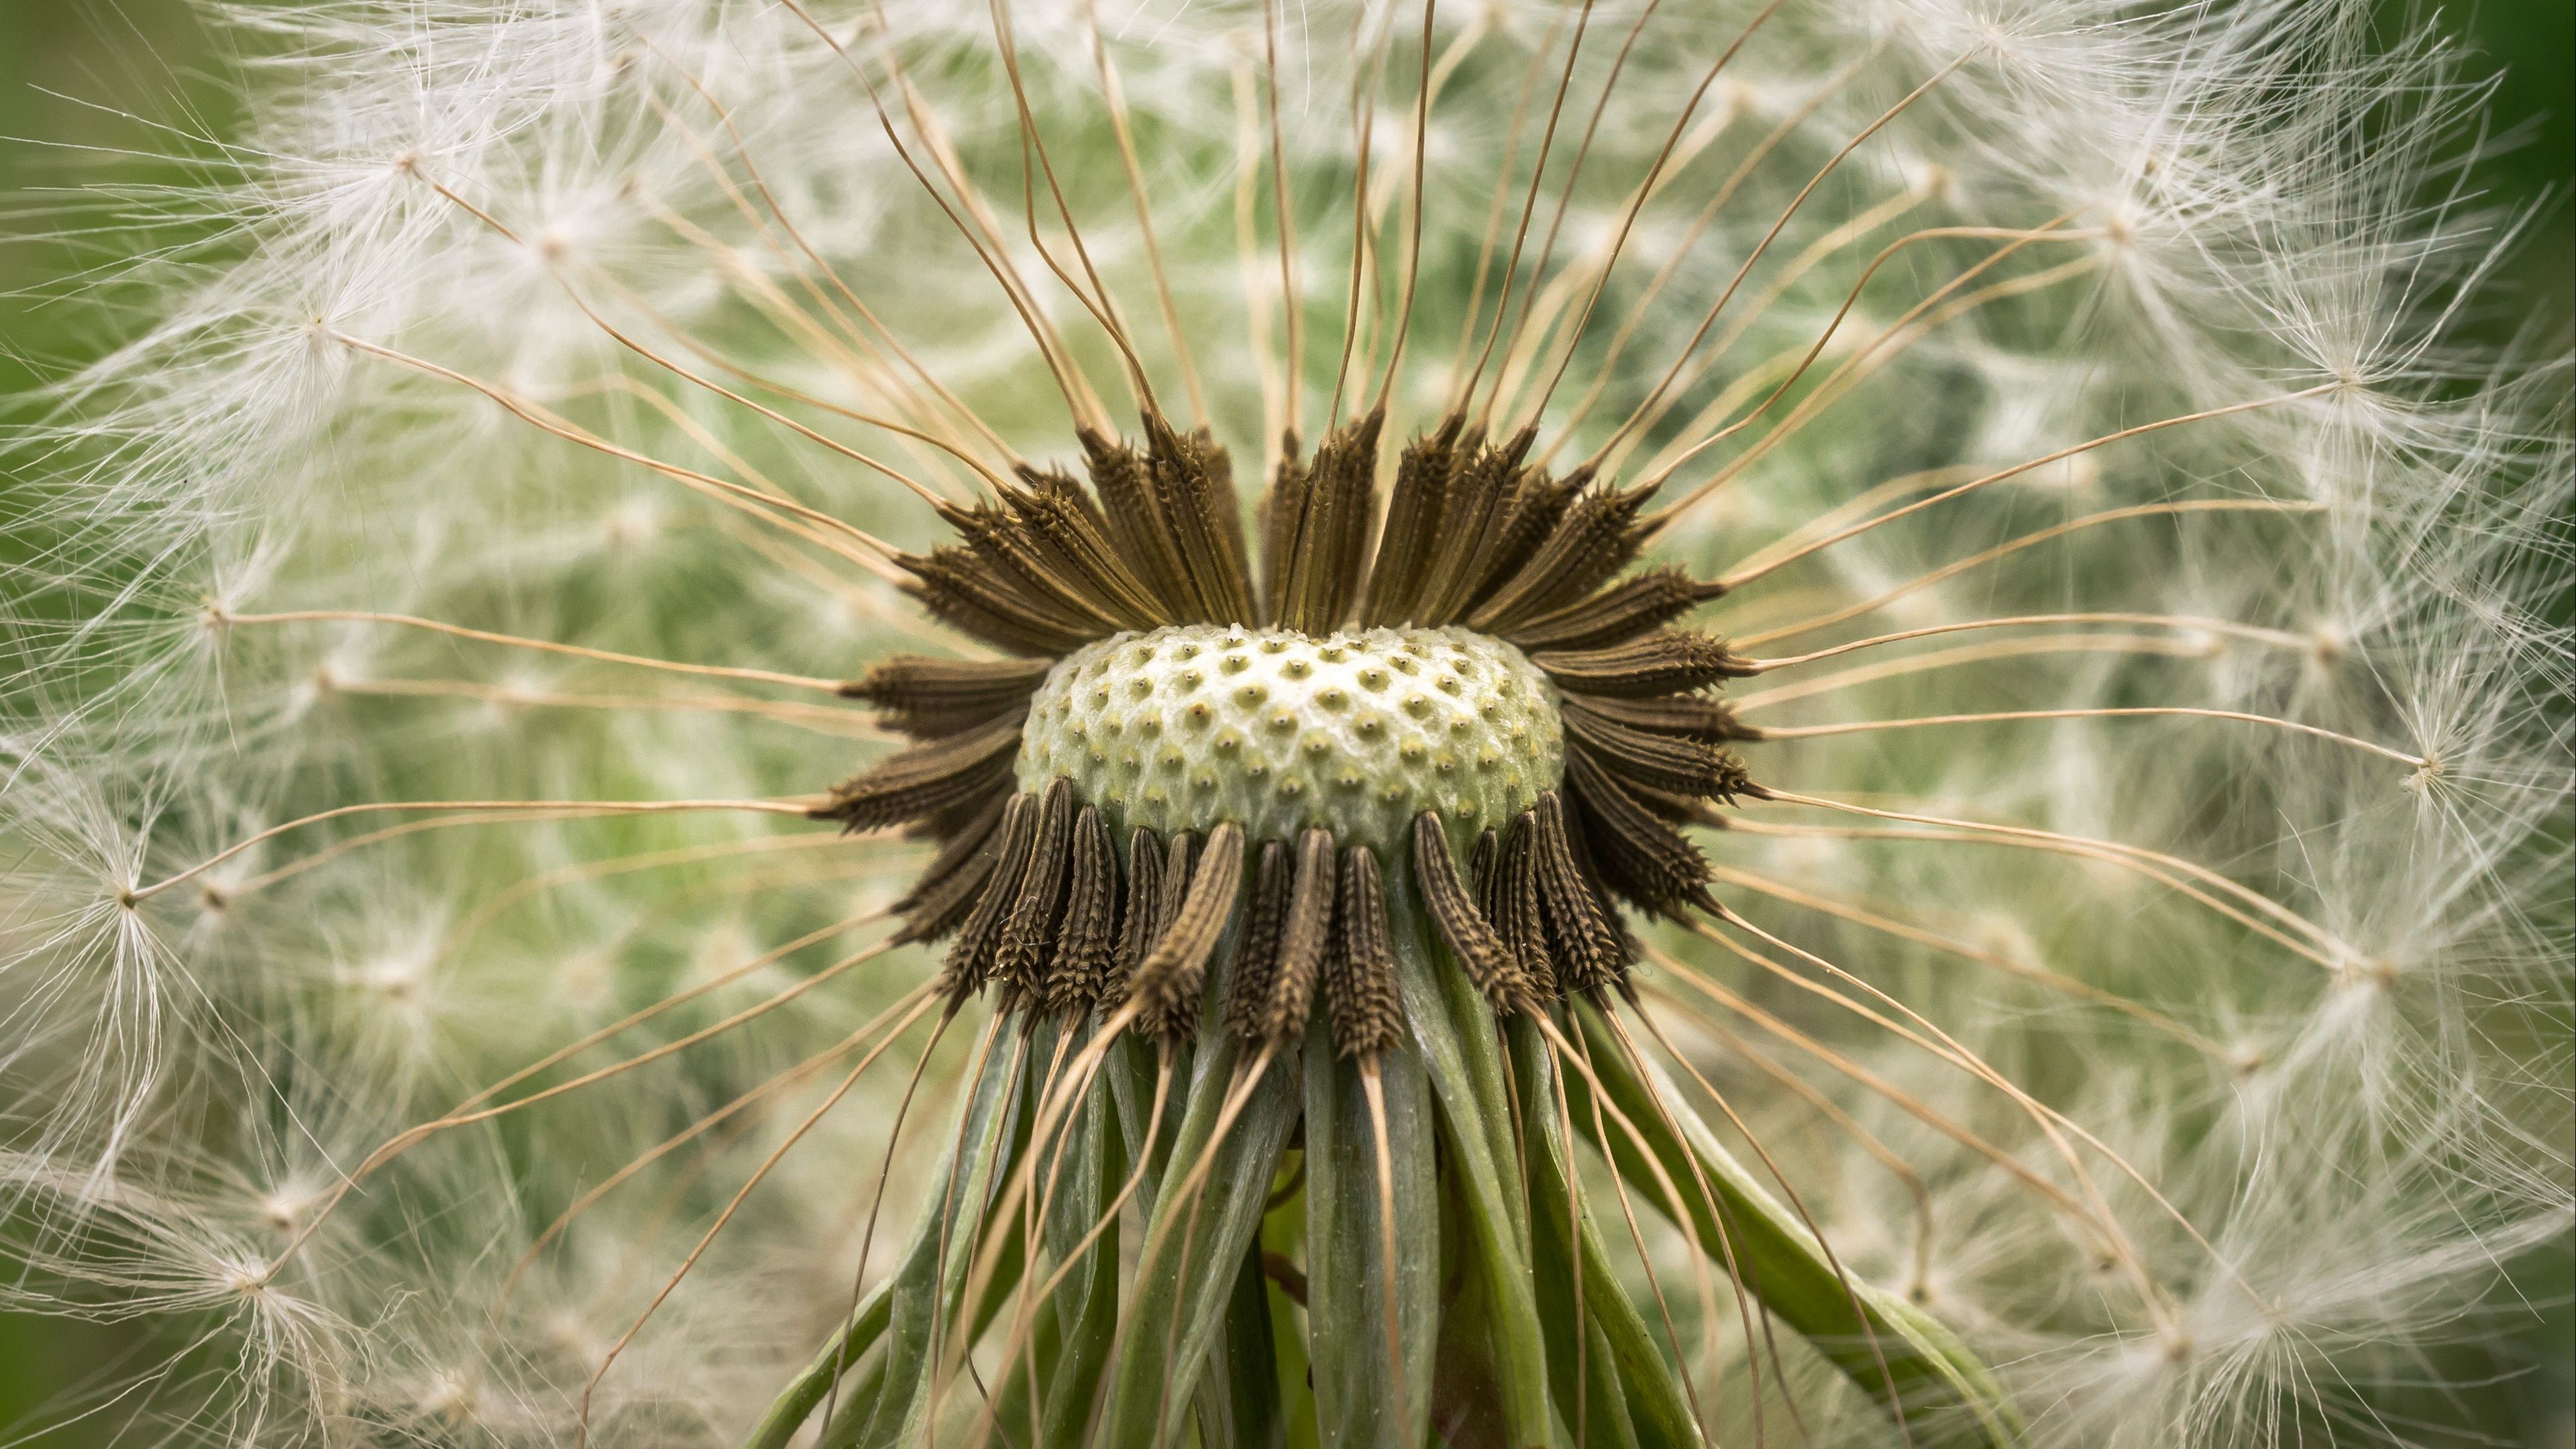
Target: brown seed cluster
1042 898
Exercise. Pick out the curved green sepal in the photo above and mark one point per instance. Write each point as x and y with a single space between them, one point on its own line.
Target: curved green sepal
1899 1354
1461 1054
1358 1382
1194 1244
1628 1395
897 1316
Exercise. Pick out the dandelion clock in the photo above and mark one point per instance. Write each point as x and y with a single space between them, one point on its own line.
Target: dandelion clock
1480 722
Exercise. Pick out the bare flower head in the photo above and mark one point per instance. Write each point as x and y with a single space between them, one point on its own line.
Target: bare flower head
770 722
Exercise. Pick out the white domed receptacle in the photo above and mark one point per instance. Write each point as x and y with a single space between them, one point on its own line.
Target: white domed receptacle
1358 731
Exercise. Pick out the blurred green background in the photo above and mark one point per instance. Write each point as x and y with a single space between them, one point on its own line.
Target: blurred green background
86 86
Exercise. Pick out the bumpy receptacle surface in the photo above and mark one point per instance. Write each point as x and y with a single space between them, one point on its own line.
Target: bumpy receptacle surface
1357 732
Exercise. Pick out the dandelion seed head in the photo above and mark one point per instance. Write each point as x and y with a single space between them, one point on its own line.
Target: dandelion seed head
2184 1065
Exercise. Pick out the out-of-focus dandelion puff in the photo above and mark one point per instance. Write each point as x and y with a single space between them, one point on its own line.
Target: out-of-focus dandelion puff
789 722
